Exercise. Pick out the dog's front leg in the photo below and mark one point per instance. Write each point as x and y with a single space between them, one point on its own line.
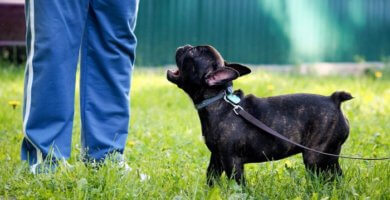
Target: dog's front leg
215 169
234 168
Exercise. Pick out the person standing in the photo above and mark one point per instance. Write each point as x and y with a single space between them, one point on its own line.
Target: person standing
59 33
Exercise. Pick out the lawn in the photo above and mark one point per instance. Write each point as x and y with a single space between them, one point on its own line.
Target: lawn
165 147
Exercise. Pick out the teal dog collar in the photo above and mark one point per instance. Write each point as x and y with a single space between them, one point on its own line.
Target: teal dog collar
227 95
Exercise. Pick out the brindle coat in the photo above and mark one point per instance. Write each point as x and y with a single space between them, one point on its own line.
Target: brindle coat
312 120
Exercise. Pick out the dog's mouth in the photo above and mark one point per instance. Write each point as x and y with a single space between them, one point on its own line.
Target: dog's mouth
174 72
173 75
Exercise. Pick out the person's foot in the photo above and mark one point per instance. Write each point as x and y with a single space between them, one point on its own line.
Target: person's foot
124 166
114 158
43 168
117 161
48 167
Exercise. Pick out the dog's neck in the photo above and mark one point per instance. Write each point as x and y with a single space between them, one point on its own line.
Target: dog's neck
203 94
212 113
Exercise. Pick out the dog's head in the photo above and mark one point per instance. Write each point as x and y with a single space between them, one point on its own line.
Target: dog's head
201 68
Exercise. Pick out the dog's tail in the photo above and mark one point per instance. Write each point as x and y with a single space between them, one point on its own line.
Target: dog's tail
340 96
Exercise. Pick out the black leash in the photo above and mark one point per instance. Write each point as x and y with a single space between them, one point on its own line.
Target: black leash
248 117
234 100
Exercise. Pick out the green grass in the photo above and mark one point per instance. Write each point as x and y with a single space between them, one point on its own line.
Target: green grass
165 143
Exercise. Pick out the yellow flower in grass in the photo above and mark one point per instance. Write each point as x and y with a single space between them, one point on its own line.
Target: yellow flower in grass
131 143
378 74
14 104
270 87
288 164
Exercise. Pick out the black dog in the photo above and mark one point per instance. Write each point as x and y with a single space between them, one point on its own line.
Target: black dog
312 120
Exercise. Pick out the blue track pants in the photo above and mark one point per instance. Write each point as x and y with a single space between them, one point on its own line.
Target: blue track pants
58 31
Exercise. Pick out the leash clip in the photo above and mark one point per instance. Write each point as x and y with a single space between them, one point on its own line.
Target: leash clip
233 100
237 109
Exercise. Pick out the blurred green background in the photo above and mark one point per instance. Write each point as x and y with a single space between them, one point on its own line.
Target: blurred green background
266 31
246 31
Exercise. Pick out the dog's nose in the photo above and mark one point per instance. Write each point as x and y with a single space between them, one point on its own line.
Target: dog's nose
187 46
184 48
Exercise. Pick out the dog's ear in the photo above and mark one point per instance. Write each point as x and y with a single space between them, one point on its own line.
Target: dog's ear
240 68
221 76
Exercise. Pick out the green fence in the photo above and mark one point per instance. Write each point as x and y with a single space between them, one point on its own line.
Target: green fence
265 31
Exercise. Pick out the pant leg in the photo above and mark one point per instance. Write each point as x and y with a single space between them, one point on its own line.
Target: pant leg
107 59
53 38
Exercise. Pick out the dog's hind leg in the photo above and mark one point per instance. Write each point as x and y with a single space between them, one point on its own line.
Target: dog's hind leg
336 132
318 163
215 169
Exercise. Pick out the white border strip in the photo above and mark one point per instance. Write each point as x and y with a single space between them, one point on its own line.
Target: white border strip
30 77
